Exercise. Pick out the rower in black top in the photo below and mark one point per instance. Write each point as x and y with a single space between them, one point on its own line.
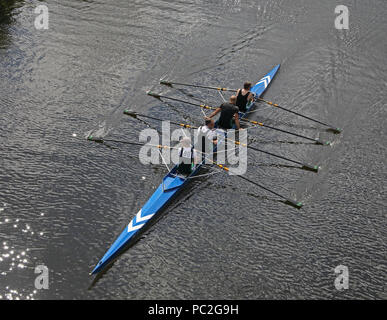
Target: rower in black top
244 96
228 113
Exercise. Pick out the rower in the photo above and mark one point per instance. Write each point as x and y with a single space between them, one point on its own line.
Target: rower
187 157
206 137
244 96
207 132
228 113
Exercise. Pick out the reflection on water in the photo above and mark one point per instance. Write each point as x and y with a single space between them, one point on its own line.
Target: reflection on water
13 258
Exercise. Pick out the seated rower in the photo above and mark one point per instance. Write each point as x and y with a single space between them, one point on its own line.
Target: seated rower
244 96
206 136
187 156
208 131
228 113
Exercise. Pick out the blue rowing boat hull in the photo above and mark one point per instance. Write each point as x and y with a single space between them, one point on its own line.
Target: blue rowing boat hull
165 193
259 88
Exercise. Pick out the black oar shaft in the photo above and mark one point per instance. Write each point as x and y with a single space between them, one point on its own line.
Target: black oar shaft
300 115
295 134
158 96
123 142
101 140
170 83
291 202
288 132
135 115
304 165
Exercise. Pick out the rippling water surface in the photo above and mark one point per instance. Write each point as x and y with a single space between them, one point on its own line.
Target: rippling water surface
64 200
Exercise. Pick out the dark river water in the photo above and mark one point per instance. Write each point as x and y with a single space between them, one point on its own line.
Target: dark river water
64 200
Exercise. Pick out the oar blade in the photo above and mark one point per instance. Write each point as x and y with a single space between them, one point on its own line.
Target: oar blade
152 94
95 139
335 130
294 203
166 83
310 167
323 143
130 113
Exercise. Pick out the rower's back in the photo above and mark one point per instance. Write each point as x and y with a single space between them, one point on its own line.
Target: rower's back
227 114
243 97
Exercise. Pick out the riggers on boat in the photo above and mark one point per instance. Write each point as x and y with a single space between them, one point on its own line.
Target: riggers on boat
171 185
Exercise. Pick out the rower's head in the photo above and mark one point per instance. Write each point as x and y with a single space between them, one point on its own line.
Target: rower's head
233 99
210 123
247 86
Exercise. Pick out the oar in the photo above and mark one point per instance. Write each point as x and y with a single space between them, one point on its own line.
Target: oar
170 84
304 165
296 204
288 201
158 96
325 143
135 115
101 140
333 128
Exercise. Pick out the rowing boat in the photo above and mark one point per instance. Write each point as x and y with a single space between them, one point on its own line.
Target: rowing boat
171 186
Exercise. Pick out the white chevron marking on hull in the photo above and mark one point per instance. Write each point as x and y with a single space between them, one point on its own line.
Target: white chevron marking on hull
266 80
145 218
139 218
